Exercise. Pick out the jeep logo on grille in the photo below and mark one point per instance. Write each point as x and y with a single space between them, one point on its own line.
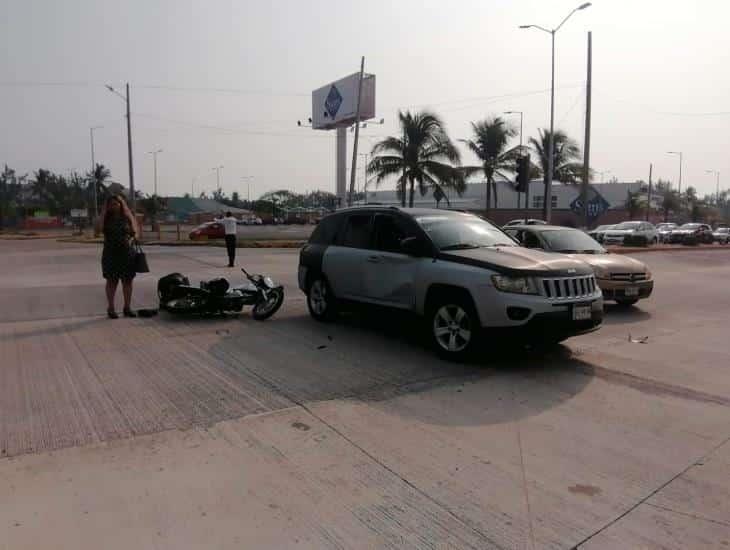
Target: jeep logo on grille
571 270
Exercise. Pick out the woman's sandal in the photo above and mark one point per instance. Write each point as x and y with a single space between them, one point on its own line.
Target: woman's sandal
112 314
129 313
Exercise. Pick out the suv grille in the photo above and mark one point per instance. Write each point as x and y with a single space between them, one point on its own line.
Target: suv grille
569 287
628 277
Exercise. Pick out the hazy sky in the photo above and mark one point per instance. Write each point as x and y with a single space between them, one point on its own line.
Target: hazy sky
223 82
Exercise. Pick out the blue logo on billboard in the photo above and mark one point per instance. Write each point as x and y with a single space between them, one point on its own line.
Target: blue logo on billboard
597 205
333 102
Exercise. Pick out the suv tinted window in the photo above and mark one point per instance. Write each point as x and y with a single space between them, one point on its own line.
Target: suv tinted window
327 229
389 232
358 231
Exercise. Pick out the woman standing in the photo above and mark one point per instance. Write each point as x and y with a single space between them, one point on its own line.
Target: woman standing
117 259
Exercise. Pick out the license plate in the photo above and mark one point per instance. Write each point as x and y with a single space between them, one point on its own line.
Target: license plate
582 313
631 291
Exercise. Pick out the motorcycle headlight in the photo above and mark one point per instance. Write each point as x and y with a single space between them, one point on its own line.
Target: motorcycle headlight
268 281
516 285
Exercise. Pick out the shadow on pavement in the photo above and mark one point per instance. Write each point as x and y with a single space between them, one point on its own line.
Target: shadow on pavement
378 359
616 314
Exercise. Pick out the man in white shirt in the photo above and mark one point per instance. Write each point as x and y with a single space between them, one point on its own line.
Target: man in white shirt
230 225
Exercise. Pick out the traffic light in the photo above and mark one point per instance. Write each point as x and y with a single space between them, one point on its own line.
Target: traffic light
523 173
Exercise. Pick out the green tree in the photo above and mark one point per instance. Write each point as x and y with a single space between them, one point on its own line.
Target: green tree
490 145
10 187
670 203
97 179
423 155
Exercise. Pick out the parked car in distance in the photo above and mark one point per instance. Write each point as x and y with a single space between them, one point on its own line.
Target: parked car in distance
621 231
622 279
529 221
692 233
599 232
469 281
664 230
722 235
208 230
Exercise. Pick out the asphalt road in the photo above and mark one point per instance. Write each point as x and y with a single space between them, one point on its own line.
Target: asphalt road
228 433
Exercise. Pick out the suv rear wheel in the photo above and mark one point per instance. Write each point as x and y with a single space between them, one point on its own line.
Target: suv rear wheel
321 302
453 326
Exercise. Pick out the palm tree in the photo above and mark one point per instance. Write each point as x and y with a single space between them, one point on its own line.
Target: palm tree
97 180
566 154
489 144
424 155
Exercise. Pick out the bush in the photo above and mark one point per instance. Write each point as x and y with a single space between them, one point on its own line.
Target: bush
636 240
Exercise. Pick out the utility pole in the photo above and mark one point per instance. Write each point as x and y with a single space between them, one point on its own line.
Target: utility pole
648 201
357 134
587 143
133 195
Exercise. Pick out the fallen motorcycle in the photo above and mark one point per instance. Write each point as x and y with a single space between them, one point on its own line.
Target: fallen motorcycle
216 297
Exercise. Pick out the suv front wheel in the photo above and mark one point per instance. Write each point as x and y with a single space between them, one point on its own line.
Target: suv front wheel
453 326
321 302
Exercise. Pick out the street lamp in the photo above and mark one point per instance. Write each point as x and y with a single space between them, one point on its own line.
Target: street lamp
717 189
247 179
132 194
154 159
217 170
680 167
551 160
93 172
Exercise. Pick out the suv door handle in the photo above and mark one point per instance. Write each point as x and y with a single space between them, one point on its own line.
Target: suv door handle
375 259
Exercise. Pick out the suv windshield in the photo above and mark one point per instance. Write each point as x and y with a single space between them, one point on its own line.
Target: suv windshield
627 225
462 232
571 241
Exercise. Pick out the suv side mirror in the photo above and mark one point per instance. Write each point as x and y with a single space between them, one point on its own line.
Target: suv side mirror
413 246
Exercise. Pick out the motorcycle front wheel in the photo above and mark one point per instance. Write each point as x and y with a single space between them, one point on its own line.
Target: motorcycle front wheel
266 308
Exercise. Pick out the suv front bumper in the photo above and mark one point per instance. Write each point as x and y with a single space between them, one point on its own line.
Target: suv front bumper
556 325
617 289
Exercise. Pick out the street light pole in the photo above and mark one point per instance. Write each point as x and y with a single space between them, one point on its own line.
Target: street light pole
547 206
717 188
132 194
680 167
217 170
93 173
154 161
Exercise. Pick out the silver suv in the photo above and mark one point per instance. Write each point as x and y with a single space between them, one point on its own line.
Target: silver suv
461 273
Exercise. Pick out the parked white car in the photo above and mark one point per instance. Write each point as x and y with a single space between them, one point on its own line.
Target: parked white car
664 230
619 232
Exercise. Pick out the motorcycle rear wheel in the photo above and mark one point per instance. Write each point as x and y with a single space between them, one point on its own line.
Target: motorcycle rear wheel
265 309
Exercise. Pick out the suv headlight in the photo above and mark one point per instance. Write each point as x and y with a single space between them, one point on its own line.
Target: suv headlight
647 274
517 285
601 272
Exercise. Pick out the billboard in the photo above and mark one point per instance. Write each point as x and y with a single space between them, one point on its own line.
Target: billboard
335 105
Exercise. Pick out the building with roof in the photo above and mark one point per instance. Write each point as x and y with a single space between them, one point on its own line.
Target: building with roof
188 209
508 205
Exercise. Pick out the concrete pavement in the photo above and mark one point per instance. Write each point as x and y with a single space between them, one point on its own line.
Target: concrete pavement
168 433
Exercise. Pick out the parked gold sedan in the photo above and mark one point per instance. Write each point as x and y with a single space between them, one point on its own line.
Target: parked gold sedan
622 279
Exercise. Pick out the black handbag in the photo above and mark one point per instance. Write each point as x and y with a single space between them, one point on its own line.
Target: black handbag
140 259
